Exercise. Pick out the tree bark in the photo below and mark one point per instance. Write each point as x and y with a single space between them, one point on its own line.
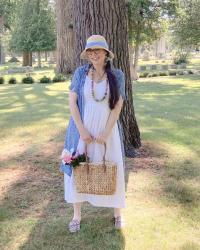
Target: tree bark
108 18
134 75
45 56
39 59
2 55
65 38
27 59
137 46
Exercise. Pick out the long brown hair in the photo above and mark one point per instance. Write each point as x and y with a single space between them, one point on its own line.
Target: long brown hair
114 92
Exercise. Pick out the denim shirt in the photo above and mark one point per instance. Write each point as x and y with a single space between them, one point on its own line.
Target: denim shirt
77 85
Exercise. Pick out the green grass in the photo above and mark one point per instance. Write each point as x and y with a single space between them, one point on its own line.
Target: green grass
162 187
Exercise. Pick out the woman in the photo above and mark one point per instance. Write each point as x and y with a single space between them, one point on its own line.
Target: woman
95 99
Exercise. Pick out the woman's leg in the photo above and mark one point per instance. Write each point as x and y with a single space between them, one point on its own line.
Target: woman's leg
119 220
117 212
77 211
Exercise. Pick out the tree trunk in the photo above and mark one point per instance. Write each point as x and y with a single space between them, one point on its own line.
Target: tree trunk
108 18
39 59
137 46
65 38
45 56
30 59
2 54
134 75
27 59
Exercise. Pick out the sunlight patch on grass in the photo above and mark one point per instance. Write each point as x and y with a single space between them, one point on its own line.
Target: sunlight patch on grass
16 232
151 224
162 192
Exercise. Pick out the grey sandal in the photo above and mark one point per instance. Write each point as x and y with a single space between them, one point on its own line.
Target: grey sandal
74 226
119 222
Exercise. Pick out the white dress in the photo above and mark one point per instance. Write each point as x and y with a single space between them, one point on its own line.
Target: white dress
95 117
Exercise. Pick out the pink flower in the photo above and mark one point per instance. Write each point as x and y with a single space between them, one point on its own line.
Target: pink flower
67 158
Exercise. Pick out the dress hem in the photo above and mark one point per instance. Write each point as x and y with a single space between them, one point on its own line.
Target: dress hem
95 205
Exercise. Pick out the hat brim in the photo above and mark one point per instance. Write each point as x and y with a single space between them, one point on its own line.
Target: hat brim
83 54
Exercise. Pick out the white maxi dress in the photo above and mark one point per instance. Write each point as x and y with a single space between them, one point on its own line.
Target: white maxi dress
95 117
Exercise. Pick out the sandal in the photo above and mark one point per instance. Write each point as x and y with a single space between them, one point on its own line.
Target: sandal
74 226
119 222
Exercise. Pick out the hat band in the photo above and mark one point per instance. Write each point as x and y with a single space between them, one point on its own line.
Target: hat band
93 44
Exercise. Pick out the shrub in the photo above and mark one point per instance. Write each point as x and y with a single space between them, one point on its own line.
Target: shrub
190 72
144 74
181 56
28 79
59 78
2 81
12 80
45 79
154 74
163 73
172 73
13 59
180 60
180 73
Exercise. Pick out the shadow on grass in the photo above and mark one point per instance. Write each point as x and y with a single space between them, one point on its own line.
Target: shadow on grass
32 103
33 206
178 179
33 209
169 112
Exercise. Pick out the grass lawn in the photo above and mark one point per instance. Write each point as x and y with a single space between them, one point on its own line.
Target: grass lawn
162 185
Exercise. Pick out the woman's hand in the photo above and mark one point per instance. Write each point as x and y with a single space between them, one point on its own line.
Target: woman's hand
85 136
102 137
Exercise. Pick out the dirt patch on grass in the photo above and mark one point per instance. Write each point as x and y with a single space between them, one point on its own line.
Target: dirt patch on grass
34 186
151 156
30 191
9 177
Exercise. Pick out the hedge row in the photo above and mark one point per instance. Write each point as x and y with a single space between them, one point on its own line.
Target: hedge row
30 80
166 73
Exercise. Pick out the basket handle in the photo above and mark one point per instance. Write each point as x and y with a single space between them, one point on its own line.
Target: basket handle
104 157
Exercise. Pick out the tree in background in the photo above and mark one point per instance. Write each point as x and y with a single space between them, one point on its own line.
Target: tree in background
65 37
109 18
7 9
34 30
147 21
186 29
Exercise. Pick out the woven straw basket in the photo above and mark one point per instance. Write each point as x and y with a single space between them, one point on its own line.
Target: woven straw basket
96 177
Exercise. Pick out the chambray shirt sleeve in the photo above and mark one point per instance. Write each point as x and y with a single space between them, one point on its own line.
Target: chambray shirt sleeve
74 86
121 83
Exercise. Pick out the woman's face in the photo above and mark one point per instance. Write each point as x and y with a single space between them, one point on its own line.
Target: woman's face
96 56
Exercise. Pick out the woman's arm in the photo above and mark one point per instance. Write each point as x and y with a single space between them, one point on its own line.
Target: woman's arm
113 117
84 134
75 111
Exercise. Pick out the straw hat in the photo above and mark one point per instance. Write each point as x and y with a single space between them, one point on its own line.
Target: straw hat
96 42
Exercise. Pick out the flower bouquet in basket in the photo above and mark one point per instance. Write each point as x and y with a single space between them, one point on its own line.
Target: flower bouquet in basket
72 157
92 177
